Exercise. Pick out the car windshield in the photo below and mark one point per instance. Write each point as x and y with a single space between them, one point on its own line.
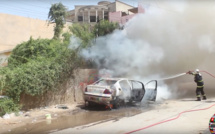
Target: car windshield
106 82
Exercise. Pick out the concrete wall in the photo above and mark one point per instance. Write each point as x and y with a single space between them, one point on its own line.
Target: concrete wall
16 29
115 17
125 19
69 92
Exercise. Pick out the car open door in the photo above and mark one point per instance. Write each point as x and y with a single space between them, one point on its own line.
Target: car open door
151 90
137 91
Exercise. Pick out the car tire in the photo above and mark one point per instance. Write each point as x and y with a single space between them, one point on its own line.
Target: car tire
89 104
116 103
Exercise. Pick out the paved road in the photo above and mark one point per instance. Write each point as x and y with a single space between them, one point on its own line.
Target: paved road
190 122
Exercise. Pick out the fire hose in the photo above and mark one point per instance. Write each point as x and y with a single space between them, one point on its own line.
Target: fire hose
169 119
180 112
208 73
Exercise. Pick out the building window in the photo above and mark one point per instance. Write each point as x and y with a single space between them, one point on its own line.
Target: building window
80 18
106 15
92 18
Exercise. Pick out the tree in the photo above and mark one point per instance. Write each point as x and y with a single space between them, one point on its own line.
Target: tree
86 33
104 27
83 32
57 15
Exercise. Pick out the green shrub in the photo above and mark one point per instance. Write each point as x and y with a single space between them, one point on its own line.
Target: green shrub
32 78
36 66
33 49
7 106
104 27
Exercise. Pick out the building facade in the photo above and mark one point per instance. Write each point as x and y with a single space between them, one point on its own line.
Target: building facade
121 17
93 13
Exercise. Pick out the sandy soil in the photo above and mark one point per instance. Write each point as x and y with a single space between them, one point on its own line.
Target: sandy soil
196 122
33 116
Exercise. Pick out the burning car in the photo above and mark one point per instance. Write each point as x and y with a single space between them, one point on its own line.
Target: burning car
113 92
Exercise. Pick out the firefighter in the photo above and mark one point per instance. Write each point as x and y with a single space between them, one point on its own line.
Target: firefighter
200 84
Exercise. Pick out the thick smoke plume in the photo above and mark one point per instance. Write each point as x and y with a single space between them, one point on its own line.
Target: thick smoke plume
171 37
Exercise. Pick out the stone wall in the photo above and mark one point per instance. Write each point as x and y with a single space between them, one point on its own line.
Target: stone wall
69 92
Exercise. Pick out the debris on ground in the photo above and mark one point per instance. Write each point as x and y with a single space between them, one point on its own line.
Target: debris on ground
48 116
34 120
6 116
61 107
20 113
27 114
35 115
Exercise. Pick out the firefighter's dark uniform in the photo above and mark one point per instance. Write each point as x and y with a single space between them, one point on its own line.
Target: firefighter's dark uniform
200 86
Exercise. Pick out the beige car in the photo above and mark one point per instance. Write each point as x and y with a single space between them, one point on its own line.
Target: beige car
113 92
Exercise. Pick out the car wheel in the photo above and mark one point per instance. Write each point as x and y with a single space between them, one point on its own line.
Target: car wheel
89 104
116 103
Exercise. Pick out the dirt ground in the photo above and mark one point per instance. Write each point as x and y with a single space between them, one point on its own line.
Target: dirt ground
34 116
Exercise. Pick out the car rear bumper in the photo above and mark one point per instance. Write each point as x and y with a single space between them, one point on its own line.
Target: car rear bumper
104 99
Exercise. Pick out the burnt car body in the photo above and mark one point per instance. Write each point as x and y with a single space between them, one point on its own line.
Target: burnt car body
113 92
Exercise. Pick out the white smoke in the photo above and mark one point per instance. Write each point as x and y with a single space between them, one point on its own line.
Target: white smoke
206 43
163 93
75 43
121 54
169 38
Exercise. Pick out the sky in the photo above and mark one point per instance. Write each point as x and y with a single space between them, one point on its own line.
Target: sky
38 9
